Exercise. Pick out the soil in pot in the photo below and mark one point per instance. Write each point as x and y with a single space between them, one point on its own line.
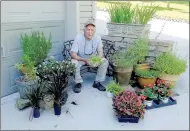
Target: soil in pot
146 81
36 112
57 109
171 79
123 75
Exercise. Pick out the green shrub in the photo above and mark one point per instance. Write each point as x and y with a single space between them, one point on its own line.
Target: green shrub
169 63
114 88
124 13
122 59
139 49
36 46
147 73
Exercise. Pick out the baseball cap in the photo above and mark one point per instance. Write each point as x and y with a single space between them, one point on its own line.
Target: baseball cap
90 22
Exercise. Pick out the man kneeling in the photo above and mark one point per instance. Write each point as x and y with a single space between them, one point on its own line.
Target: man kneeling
84 45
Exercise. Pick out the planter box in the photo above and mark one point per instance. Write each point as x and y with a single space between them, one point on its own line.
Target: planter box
128 30
130 119
159 103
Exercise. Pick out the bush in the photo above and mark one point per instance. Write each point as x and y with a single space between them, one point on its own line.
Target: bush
114 88
169 63
147 73
128 103
124 13
36 46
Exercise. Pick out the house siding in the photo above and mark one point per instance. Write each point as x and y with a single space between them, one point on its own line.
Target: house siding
20 17
87 10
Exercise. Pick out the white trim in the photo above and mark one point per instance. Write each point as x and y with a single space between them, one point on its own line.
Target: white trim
77 17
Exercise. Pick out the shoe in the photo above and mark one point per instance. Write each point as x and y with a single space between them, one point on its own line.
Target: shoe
99 86
77 88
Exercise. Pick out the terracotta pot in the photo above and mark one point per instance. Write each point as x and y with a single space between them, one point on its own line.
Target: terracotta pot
146 81
171 79
123 75
144 66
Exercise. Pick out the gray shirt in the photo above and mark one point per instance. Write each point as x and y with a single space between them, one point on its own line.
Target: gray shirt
84 48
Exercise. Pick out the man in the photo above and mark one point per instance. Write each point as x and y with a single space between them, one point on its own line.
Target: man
84 45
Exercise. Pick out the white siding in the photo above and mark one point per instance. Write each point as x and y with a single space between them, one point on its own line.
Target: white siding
87 10
24 11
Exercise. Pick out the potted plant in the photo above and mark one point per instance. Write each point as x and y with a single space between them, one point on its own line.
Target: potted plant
95 60
146 77
128 106
139 49
35 49
126 21
170 66
35 95
150 94
57 74
123 65
164 90
113 89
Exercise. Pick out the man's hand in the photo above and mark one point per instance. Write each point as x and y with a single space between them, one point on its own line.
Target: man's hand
87 62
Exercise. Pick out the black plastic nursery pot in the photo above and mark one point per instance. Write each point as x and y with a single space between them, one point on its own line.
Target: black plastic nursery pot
57 109
130 119
36 112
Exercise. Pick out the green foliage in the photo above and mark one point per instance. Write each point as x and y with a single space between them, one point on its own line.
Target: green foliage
124 13
147 73
57 74
95 59
150 93
144 14
121 13
123 59
169 63
35 46
35 94
114 88
139 49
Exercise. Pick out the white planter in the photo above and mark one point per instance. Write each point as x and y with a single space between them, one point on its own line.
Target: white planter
165 100
128 30
109 94
148 102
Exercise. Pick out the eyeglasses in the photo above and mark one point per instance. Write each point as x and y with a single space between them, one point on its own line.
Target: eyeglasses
85 49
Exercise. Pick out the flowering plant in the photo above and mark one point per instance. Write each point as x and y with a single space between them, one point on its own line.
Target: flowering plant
164 89
150 92
128 103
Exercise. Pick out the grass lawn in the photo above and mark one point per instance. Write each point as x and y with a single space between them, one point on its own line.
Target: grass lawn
177 9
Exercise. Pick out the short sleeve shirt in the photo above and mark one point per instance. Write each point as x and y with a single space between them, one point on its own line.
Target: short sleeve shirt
84 48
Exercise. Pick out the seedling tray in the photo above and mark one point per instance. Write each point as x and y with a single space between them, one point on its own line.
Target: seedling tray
159 103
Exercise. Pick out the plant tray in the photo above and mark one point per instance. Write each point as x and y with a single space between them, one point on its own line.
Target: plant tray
159 103
130 119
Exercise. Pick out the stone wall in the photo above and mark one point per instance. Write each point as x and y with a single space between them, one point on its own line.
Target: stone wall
156 46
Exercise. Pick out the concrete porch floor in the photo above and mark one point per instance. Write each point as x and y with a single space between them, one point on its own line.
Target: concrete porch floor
94 112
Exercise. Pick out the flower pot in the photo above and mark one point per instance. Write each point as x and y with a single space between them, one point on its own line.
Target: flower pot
57 109
36 112
130 119
110 95
165 100
128 30
171 79
123 75
146 81
23 86
148 102
144 66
